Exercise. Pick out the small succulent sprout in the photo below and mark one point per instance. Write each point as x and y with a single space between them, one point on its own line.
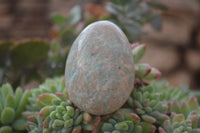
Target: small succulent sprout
143 71
12 104
147 104
138 51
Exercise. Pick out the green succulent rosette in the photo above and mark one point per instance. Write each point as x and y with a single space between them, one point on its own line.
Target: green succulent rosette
58 115
179 124
125 121
147 104
169 93
55 85
12 104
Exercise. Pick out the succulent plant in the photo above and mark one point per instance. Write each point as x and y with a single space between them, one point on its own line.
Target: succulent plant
11 106
146 102
125 121
118 123
196 94
143 71
35 124
185 117
179 124
169 93
185 107
54 85
58 115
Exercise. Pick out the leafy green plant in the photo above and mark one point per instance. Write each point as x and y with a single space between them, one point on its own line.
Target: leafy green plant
11 106
20 62
131 15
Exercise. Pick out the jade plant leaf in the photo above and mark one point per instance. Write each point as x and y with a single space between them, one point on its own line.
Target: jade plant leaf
4 49
28 53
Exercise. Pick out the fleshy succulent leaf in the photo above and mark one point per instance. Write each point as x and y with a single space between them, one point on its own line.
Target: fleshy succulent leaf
18 96
154 74
138 52
7 115
10 101
45 111
12 105
142 70
47 98
22 103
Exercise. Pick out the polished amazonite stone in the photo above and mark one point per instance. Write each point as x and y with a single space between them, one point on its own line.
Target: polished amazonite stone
99 73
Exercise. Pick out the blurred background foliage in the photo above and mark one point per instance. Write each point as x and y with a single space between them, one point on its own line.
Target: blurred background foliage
22 62
37 59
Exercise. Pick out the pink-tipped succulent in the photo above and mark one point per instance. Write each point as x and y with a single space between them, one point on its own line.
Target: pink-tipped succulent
125 121
179 124
146 102
185 107
58 115
143 71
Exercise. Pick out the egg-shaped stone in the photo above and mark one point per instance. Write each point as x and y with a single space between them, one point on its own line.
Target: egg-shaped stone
99 73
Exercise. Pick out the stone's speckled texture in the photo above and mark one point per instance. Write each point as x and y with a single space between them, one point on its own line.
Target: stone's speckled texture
99 71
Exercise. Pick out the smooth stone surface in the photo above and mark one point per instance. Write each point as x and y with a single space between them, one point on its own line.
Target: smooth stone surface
99 71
